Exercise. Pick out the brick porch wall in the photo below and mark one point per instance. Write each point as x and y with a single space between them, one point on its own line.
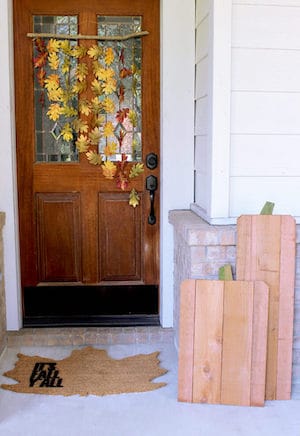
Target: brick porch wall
3 337
201 249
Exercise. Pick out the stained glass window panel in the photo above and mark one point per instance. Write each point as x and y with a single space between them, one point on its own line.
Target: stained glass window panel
125 101
51 142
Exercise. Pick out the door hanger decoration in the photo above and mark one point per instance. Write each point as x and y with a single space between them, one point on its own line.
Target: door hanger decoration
93 97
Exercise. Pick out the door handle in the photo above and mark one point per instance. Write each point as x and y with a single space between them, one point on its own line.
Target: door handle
151 186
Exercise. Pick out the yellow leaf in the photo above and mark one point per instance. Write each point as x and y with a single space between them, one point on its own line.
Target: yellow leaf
108 105
109 56
67 132
109 86
79 87
84 107
136 170
54 111
108 129
95 136
107 73
78 51
99 120
132 115
53 61
96 87
66 47
109 169
95 52
134 199
110 149
66 66
82 144
55 94
80 126
94 158
52 82
81 72
69 111
53 45
96 105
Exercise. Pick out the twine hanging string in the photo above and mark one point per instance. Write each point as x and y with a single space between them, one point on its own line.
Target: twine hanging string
89 37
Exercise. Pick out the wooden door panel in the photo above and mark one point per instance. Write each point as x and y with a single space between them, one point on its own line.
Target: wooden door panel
75 224
58 233
120 238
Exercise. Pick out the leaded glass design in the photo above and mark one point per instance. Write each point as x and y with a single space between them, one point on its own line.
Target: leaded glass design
51 136
125 116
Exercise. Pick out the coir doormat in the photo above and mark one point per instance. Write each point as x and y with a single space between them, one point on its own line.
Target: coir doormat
87 371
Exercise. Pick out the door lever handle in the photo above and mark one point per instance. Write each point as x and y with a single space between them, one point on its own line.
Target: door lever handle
151 186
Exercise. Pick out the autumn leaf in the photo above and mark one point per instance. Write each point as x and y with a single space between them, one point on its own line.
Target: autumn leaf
78 51
108 105
82 144
134 199
136 170
108 129
96 105
109 56
54 111
122 182
40 60
121 94
121 56
52 82
53 45
125 72
84 107
132 115
79 87
96 87
69 111
94 158
67 132
102 73
81 72
41 74
122 114
80 126
109 169
95 136
66 47
55 94
109 86
98 121
66 66
95 52
110 149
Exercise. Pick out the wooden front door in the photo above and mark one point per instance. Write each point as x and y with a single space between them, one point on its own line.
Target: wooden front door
87 122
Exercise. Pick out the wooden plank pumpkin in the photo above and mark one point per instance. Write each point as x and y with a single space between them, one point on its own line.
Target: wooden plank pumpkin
266 248
222 342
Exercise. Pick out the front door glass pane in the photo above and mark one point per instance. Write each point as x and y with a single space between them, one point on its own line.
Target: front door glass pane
125 99
52 142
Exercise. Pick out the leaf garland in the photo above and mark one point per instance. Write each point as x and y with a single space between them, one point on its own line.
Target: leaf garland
64 74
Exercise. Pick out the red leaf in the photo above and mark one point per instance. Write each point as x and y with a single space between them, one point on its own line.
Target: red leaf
121 94
122 58
122 114
41 76
125 72
40 60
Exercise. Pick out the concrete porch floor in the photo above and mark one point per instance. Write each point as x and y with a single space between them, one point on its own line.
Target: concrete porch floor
153 413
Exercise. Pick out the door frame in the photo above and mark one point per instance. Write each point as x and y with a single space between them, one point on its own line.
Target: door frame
177 56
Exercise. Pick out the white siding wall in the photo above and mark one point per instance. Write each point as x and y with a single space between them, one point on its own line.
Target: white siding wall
212 109
202 105
265 106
